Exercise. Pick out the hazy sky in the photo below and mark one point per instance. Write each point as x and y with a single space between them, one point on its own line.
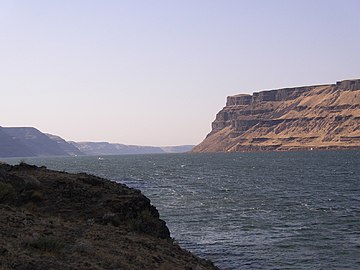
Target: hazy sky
156 72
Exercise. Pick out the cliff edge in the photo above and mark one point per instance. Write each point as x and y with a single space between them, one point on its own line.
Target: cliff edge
300 118
57 220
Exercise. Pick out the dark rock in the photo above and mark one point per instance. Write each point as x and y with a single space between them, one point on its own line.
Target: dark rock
57 220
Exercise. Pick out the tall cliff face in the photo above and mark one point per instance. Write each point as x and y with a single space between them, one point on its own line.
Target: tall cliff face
310 117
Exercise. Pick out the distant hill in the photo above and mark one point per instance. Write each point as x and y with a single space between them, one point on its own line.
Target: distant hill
177 149
12 147
300 118
106 148
27 142
69 148
30 142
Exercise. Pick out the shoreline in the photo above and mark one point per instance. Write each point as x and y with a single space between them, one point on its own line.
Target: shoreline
60 220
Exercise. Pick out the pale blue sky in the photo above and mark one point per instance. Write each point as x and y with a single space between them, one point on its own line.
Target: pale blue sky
156 72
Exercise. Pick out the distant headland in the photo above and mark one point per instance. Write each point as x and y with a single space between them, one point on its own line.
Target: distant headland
31 142
299 118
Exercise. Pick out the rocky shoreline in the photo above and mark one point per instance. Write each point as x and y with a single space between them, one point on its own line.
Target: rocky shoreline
58 220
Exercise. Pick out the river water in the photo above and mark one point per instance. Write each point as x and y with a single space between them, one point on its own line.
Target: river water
281 210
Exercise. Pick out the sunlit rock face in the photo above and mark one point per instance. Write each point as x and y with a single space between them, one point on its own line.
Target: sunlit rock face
299 118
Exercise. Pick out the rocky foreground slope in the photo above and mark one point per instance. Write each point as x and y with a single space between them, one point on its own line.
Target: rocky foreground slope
300 118
56 220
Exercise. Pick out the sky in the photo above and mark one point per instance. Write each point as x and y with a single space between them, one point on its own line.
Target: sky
156 72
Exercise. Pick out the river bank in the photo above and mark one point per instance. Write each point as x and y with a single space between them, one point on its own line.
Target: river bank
58 220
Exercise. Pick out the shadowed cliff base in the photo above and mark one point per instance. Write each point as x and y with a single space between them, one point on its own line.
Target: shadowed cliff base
57 220
320 117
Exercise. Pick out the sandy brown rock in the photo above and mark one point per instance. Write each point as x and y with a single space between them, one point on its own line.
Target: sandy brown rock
56 220
300 118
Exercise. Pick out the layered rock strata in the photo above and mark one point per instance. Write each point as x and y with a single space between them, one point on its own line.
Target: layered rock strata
300 118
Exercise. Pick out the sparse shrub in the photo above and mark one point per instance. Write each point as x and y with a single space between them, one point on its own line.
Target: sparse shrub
143 223
174 241
166 266
37 196
31 206
83 247
47 243
34 196
31 182
22 162
7 192
112 219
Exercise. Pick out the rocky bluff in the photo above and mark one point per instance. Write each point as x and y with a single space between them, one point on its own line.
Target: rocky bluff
300 118
57 220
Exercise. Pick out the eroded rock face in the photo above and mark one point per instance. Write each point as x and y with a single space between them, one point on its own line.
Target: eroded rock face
300 118
57 220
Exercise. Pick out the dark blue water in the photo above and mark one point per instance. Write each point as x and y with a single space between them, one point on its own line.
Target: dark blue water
295 210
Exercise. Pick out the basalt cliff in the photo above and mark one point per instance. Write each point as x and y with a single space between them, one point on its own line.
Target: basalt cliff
56 220
300 118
